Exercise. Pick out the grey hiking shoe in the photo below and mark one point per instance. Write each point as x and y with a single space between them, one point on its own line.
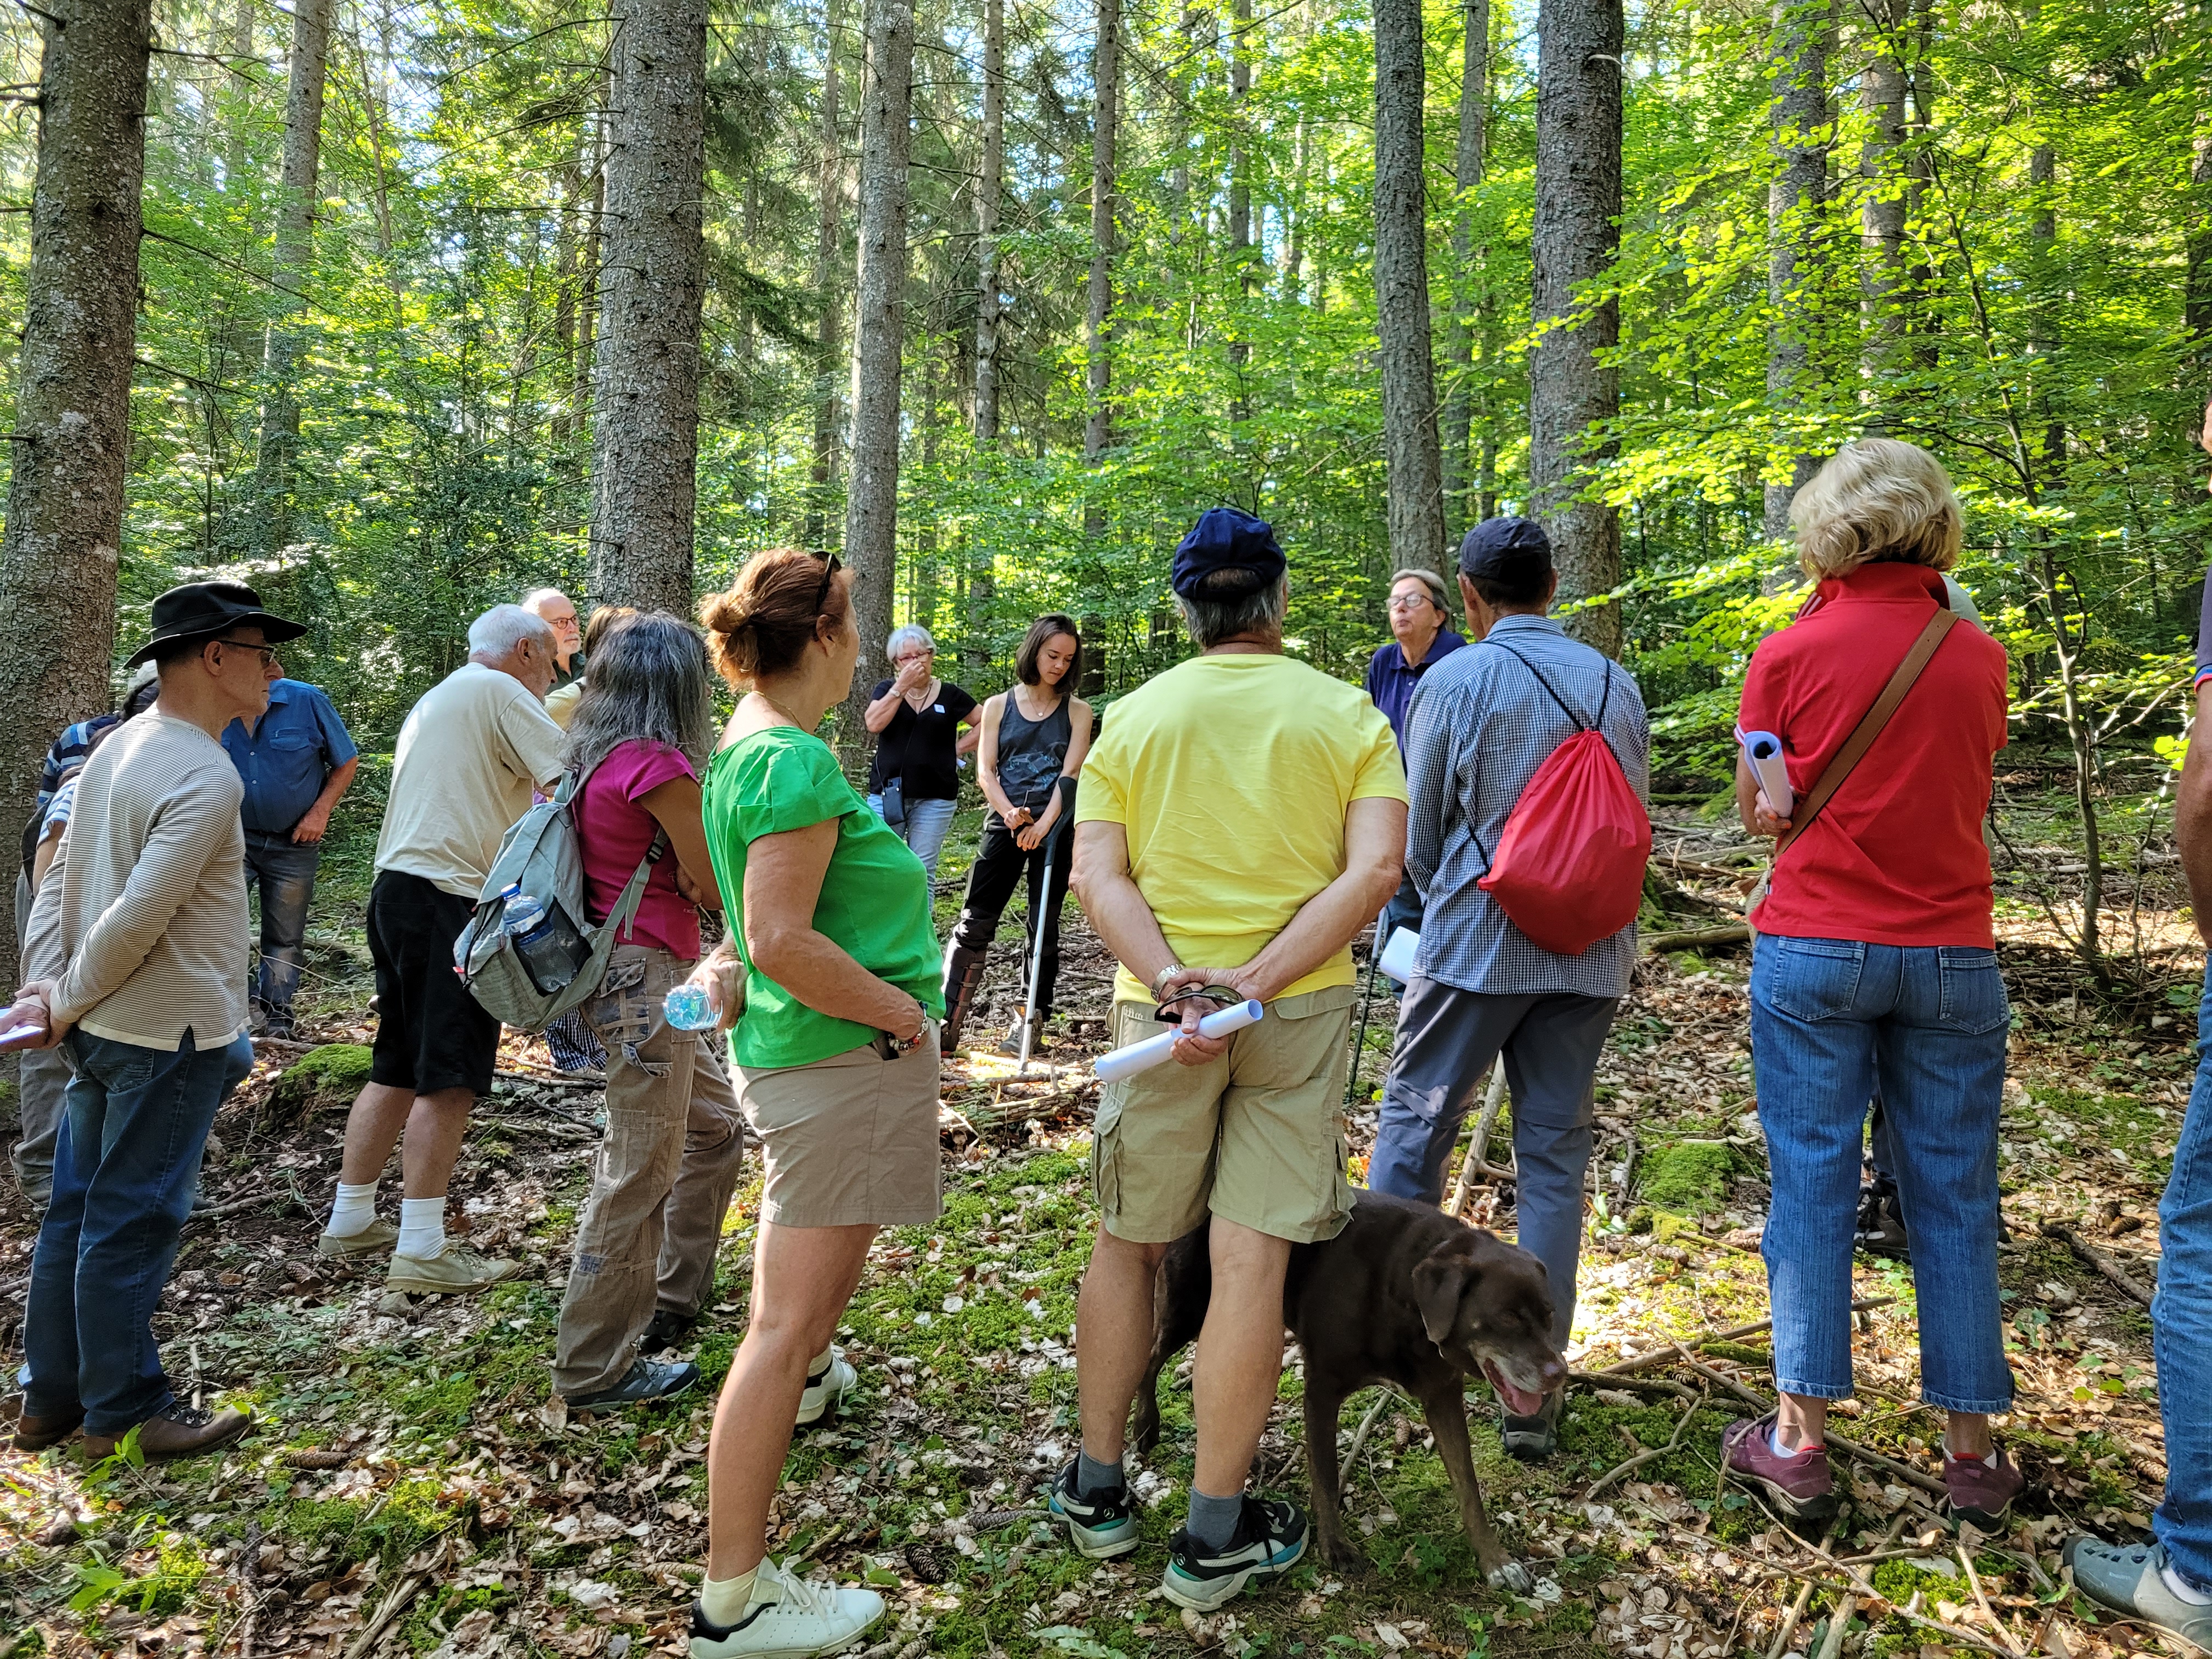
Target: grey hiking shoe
456 1270
1101 1526
2131 1578
374 1239
1533 1439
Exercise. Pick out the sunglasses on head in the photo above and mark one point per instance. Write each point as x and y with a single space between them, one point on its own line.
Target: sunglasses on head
829 574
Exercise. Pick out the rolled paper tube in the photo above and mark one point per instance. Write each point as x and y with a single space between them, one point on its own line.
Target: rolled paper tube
21 1037
1397 958
1143 1056
1763 750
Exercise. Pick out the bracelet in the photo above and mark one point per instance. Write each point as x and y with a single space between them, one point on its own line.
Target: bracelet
1163 977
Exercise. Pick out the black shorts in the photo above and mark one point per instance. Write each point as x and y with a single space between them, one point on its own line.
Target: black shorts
430 1033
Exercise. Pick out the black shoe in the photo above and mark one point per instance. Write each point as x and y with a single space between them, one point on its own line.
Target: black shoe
645 1379
1533 1439
1270 1537
667 1330
1880 1229
1101 1525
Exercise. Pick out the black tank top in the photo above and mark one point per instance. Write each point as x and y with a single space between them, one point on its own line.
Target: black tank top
1031 752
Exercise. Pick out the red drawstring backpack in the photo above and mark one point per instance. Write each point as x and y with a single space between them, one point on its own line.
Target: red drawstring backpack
1569 870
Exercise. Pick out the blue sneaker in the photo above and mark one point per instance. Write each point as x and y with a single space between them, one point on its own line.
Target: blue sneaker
1270 1537
1101 1526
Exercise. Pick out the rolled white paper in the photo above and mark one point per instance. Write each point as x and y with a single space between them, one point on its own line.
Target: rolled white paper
1763 750
1143 1056
20 1036
1397 957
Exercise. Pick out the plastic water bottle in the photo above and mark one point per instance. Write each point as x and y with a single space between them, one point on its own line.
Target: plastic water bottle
551 950
688 1008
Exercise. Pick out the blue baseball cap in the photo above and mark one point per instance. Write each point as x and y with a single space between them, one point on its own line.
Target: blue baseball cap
1512 550
1224 539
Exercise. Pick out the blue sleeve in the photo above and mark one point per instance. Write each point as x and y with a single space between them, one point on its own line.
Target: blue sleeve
1430 765
337 742
1373 663
2204 634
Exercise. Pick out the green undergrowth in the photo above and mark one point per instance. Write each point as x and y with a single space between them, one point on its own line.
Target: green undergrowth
329 1076
1687 1177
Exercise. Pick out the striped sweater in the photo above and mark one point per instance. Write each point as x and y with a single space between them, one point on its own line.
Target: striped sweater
144 909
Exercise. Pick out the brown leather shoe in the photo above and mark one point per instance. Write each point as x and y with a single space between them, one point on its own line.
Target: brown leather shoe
37 1433
182 1431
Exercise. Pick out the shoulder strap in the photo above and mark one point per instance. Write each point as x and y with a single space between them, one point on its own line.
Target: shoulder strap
1580 725
1870 726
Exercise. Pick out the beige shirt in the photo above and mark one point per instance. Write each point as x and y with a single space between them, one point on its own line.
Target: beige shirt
468 757
145 903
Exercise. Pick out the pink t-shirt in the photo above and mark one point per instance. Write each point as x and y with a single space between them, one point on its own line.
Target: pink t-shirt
615 831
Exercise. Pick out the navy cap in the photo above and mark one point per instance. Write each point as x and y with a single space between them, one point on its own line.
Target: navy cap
1224 539
1509 551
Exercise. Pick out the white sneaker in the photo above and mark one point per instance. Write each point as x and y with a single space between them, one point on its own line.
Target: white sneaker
789 1618
825 1388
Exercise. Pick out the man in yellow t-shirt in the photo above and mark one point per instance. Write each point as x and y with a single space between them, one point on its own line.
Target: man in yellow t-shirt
1241 819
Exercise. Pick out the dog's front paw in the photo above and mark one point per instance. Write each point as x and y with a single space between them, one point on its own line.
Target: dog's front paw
1512 1575
1343 1556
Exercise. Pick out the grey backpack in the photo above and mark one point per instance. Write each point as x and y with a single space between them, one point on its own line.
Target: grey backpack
540 855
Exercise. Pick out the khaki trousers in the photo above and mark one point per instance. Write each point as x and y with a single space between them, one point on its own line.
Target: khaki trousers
661 1183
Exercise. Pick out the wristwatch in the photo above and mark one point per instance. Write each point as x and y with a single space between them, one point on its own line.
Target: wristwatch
1160 979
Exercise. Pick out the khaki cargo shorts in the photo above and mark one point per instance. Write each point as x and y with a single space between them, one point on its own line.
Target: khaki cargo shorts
1254 1137
848 1140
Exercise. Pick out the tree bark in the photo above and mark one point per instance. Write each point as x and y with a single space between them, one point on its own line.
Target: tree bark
1881 215
1240 197
294 258
829 336
591 267
878 339
1578 200
1105 113
987 191
1794 198
1464 481
645 431
60 546
2196 303
234 164
1415 509
2044 300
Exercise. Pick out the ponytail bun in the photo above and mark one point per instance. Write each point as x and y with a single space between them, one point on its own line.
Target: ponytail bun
761 626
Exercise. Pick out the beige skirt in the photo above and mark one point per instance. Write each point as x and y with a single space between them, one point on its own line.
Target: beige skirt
848 1140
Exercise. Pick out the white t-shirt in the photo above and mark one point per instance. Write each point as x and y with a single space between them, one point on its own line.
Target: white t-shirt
469 756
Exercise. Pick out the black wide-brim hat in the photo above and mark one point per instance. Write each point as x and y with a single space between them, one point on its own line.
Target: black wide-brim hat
200 611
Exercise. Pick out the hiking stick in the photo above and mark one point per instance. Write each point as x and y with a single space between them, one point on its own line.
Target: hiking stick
1039 911
1479 1144
1359 1042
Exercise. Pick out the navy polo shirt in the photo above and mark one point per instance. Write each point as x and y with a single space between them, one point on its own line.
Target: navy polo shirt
1390 683
299 742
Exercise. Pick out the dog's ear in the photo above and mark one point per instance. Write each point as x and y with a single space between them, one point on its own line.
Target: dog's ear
1439 1280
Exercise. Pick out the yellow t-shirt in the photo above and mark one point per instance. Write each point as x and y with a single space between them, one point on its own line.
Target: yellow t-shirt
1231 775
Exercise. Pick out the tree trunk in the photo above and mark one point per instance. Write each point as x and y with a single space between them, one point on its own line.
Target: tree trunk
1413 468
645 431
828 338
1461 485
592 270
2045 298
1882 217
987 191
1578 75
236 165
1105 114
1795 199
294 258
878 340
2197 302
61 543
570 210
1240 197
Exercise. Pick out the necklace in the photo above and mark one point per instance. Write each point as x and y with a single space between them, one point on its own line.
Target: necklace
779 709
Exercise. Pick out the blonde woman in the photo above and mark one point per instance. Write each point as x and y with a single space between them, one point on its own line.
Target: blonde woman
1874 969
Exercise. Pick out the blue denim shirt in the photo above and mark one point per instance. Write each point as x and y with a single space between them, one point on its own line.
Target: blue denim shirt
299 742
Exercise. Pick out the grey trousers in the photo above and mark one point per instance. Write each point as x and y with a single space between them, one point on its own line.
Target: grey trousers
1448 1040
45 1079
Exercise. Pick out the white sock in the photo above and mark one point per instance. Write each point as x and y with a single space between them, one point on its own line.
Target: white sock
2183 1589
1774 1440
422 1227
724 1601
819 1365
1988 1462
355 1210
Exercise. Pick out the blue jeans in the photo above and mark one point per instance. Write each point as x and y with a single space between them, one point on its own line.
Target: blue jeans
1832 1020
284 870
928 824
2181 1327
125 1166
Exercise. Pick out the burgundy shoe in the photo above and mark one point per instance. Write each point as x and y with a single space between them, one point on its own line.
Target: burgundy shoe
1800 1485
1975 1491
37 1433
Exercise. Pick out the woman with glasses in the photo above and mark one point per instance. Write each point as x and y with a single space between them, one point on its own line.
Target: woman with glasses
919 720
1421 636
836 1064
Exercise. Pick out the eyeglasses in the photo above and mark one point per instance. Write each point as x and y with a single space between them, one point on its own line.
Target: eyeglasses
1409 601
829 572
266 652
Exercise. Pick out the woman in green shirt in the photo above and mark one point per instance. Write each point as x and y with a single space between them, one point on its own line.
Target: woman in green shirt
837 1065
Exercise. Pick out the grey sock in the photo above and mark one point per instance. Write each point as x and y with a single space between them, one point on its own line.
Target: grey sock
1092 1477
1212 1521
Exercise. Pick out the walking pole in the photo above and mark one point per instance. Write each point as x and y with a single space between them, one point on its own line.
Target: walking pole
1359 1042
1042 908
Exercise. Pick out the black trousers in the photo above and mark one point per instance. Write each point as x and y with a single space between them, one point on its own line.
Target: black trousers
1000 867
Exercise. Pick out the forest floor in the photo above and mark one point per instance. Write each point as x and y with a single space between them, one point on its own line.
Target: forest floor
411 1487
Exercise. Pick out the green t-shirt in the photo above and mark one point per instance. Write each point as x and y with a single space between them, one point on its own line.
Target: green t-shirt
875 895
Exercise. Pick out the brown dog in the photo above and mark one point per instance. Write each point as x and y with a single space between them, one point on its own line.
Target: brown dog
1404 1295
